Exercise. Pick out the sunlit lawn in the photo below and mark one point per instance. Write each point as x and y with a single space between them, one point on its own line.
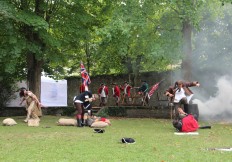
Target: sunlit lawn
155 141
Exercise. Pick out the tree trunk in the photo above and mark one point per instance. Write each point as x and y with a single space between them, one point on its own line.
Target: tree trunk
129 66
87 53
34 64
186 66
136 70
34 74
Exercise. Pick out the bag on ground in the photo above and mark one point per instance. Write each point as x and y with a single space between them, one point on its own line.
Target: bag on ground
33 123
9 122
67 122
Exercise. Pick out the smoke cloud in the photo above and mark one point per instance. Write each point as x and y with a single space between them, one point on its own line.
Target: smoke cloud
219 106
212 56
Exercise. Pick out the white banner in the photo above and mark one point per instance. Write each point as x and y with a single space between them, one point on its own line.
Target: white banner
53 93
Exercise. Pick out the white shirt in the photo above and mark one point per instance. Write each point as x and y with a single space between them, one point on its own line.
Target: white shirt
179 95
103 94
125 92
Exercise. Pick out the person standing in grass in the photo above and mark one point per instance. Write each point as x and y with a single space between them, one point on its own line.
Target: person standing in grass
103 93
33 106
180 94
82 103
116 93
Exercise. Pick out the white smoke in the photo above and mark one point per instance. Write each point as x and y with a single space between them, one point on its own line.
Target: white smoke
218 107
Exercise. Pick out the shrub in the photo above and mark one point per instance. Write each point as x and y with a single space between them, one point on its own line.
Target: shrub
68 111
112 111
103 112
117 111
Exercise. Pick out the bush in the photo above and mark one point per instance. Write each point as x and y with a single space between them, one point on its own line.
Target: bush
103 112
117 111
68 111
112 111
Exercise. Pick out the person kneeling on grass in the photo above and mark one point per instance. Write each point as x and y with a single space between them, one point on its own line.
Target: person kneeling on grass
82 103
186 122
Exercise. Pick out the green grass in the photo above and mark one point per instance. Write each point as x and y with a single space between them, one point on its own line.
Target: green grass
155 141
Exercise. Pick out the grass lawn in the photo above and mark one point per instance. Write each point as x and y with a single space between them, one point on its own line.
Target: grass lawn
155 141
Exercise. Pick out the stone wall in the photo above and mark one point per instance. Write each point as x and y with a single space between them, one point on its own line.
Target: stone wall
158 99
158 103
156 112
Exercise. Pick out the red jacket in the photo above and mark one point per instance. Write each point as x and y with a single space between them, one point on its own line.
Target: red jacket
189 124
82 88
116 91
126 89
105 90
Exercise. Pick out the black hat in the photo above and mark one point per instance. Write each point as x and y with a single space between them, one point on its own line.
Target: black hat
177 124
22 88
99 130
21 91
128 140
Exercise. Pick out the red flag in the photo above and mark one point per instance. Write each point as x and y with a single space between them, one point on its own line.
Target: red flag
153 89
85 77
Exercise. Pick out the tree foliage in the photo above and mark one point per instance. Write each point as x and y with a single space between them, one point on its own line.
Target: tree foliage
48 35
121 36
134 40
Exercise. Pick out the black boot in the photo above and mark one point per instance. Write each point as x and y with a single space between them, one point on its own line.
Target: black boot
84 123
79 123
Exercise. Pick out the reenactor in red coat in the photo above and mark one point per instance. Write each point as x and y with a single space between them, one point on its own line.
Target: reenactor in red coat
103 93
116 93
126 88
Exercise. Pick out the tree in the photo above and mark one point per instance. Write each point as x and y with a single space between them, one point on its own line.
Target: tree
131 42
123 36
185 14
75 28
49 31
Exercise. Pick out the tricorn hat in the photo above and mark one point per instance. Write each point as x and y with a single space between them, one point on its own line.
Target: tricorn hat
128 140
99 130
177 124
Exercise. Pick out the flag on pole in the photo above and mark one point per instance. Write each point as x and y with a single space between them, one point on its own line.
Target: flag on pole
85 77
153 89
